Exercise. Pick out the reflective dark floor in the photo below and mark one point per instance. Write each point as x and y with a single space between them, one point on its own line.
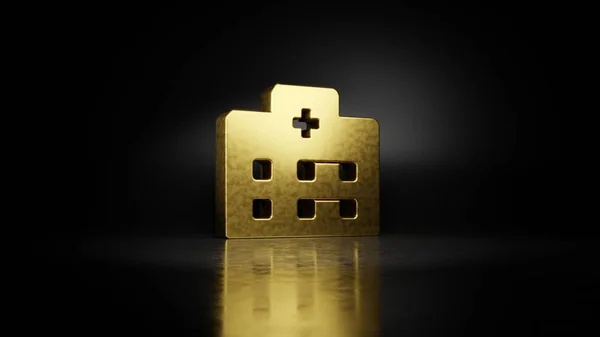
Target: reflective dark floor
375 286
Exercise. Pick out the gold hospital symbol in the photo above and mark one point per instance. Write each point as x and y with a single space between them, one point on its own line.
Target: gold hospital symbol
297 169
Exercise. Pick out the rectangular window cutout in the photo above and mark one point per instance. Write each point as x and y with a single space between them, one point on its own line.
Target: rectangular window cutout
348 208
262 169
307 209
306 169
347 171
262 209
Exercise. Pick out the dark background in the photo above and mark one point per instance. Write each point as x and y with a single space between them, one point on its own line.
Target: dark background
471 102
466 96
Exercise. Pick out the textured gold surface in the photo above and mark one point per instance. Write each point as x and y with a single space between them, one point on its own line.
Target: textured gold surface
271 137
327 287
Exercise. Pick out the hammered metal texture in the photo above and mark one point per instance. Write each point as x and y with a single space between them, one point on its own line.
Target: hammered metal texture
246 136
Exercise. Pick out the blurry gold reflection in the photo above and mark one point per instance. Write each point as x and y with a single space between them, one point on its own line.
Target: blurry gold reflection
301 287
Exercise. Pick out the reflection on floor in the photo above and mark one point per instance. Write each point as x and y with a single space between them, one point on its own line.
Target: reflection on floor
301 287
387 286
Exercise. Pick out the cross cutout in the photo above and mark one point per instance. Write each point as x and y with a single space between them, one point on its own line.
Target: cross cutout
305 123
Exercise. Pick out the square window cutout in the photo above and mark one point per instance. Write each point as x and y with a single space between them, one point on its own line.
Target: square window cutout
262 209
262 169
348 208
348 171
306 209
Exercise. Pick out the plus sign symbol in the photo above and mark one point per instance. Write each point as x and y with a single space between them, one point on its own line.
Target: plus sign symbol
306 123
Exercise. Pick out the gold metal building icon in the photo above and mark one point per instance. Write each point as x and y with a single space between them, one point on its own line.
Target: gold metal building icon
297 169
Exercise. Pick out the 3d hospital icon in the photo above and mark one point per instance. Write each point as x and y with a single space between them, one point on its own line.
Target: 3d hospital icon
297 168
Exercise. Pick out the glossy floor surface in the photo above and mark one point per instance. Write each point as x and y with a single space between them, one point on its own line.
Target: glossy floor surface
373 286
